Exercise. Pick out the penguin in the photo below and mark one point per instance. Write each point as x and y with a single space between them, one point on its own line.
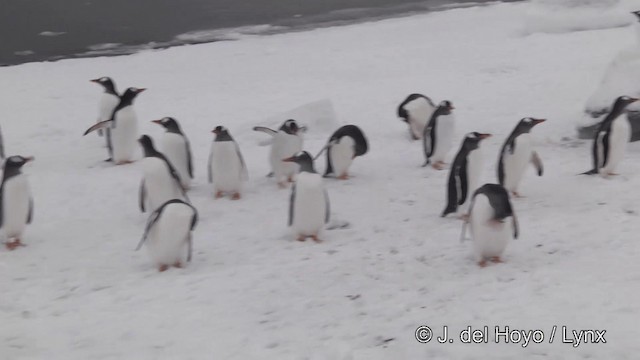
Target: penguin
611 138
16 201
416 110
343 146
226 166
161 181
168 234
438 135
123 128
108 101
309 201
465 172
516 153
287 141
493 223
175 146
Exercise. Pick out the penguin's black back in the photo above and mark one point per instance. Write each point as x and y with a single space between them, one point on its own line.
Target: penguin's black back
356 134
402 112
457 178
498 199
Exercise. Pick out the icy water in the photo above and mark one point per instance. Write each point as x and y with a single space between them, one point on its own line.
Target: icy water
37 30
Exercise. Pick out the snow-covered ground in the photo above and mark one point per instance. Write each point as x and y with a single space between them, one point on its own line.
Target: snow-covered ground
79 291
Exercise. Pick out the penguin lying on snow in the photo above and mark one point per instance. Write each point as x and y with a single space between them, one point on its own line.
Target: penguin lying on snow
438 135
611 138
226 167
168 234
416 110
123 128
175 146
108 101
465 172
343 146
490 209
16 203
309 202
516 153
287 141
161 181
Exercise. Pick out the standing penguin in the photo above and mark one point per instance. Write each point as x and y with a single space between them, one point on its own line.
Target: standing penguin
309 202
611 138
168 234
226 167
175 146
416 110
287 141
488 214
438 135
108 101
343 146
161 181
517 152
465 172
15 200
123 126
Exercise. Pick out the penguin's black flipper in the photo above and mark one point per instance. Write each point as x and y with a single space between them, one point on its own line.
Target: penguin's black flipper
1 206
210 169
265 130
30 214
2 156
142 194
452 192
516 230
427 146
101 125
189 161
189 247
329 169
245 172
327 210
291 203
464 185
152 220
537 162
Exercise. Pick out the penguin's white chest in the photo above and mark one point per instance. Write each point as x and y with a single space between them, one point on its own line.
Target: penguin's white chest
342 155
475 163
309 206
226 166
124 134
489 238
515 164
620 134
420 112
15 205
444 132
159 184
174 147
284 145
167 242
108 102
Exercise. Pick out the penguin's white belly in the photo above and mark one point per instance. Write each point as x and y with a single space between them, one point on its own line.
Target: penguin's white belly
419 111
168 238
108 103
342 155
489 239
159 184
444 137
174 147
475 162
284 145
514 165
124 135
618 139
309 206
15 205
226 167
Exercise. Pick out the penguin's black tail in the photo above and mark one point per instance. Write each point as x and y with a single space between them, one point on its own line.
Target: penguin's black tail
590 172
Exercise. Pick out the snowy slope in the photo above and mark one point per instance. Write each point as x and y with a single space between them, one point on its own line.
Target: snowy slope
79 291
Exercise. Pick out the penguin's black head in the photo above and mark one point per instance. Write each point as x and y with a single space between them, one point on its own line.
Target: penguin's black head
222 134
525 125
303 159
446 106
624 101
472 140
169 123
290 127
637 14
131 93
16 161
106 83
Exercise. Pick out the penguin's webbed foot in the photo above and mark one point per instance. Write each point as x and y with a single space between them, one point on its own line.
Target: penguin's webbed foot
344 176
290 178
438 165
12 245
482 263
235 196
464 217
124 162
178 265
496 259
219 194
301 238
315 238
163 268
517 195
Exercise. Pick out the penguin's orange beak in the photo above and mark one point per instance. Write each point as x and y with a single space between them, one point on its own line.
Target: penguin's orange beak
140 90
29 158
634 99
289 159
95 80
216 131
538 121
484 136
159 122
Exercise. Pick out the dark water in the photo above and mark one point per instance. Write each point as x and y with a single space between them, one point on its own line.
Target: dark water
37 30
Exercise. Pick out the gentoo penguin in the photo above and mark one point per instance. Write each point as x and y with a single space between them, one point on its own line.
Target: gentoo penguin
123 126
438 135
15 200
309 202
175 146
490 209
343 146
611 138
226 167
517 152
168 234
161 181
108 101
416 110
465 173
287 141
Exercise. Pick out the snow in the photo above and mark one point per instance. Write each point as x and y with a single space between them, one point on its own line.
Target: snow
79 291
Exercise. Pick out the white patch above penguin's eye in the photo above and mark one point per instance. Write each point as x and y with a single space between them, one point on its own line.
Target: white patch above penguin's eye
625 98
14 158
104 79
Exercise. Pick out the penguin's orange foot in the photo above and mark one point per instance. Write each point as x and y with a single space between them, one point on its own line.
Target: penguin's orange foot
290 179
177 265
235 196
482 263
438 165
344 176
464 217
496 259
612 174
125 162
12 245
517 195
219 194
315 238
163 268
301 238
